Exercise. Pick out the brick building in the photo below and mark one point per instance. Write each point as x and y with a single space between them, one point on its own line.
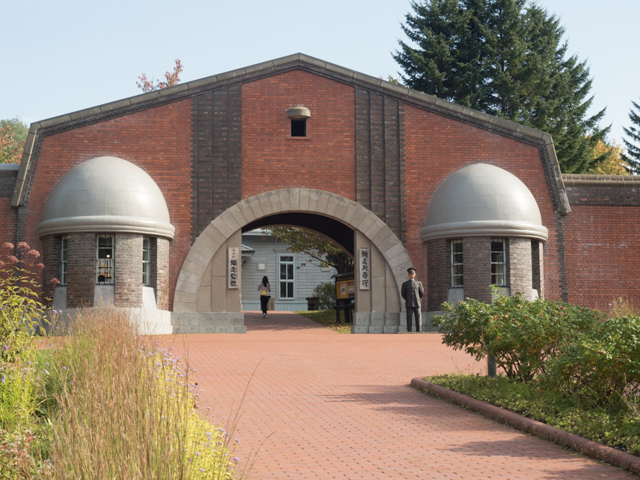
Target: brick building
141 203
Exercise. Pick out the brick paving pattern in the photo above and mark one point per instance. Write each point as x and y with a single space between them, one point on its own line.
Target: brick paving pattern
315 404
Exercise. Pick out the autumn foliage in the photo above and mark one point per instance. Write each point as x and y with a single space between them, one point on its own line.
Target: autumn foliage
11 147
170 78
613 163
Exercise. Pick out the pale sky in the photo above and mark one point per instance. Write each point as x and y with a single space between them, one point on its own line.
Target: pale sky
67 55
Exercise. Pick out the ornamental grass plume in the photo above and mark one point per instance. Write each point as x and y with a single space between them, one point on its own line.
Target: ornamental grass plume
125 409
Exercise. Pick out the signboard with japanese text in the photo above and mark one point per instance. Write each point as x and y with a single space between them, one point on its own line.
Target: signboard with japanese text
234 267
365 269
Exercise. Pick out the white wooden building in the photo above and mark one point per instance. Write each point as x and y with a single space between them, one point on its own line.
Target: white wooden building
293 276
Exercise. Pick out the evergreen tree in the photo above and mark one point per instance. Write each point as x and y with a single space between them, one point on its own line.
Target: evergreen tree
504 58
632 156
447 60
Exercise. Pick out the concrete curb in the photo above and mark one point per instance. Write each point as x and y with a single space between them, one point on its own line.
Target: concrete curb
574 442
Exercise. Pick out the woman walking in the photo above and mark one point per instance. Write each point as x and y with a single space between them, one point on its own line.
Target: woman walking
265 295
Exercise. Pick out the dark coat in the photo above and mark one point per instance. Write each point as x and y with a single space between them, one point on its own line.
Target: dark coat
412 291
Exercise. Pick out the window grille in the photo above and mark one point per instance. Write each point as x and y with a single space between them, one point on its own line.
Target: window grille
64 245
104 267
498 263
146 261
457 267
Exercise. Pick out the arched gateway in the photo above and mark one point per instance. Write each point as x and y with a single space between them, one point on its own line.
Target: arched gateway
204 302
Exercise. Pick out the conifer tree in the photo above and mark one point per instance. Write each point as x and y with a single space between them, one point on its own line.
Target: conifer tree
504 58
632 156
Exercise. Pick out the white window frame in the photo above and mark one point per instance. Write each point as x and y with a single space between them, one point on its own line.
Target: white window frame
498 263
289 281
146 261
64 252
105 257
457 264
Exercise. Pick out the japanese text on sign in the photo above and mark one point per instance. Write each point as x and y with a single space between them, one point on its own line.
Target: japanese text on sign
365 269
234 267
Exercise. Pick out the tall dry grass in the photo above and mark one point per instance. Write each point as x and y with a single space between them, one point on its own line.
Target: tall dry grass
623 306
122 409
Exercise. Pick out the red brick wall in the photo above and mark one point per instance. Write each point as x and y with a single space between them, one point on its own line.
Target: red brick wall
158 140
602 249
436 146
272 159
7 221
8 215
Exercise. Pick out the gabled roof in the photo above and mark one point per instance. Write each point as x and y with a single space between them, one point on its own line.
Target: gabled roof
288 63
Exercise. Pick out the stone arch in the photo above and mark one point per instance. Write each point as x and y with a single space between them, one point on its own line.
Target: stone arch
319 202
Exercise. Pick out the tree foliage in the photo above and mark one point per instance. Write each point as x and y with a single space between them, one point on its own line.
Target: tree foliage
170 78
632 156
504 58
614 163
318 248
326 295
13 136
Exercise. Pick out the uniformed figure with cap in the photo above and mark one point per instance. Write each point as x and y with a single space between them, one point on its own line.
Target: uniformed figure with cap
412 292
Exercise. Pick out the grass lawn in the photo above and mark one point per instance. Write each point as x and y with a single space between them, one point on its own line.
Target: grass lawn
328 319
617 426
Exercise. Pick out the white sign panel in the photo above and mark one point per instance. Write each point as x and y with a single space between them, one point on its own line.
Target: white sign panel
365 269
234 267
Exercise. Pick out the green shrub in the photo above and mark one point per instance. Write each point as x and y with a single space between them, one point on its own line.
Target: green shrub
21 312
21 319
17 459
601 365
326 293
521 335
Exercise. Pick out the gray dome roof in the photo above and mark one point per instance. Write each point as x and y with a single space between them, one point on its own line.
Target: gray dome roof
483 200
106 194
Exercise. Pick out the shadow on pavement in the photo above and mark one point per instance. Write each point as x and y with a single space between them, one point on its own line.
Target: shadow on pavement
276 321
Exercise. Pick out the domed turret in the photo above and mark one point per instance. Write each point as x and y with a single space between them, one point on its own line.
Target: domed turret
483 200
106 194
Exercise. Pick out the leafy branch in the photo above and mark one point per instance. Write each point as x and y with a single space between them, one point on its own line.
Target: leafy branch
314 245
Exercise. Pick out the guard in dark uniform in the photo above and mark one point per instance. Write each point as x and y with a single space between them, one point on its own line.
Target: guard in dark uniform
412 292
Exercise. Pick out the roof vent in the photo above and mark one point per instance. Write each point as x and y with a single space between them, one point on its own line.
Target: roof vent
298 113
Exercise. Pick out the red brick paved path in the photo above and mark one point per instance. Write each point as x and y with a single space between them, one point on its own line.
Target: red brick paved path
325 406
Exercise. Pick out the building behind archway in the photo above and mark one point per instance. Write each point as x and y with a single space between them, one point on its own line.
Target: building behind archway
408 179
